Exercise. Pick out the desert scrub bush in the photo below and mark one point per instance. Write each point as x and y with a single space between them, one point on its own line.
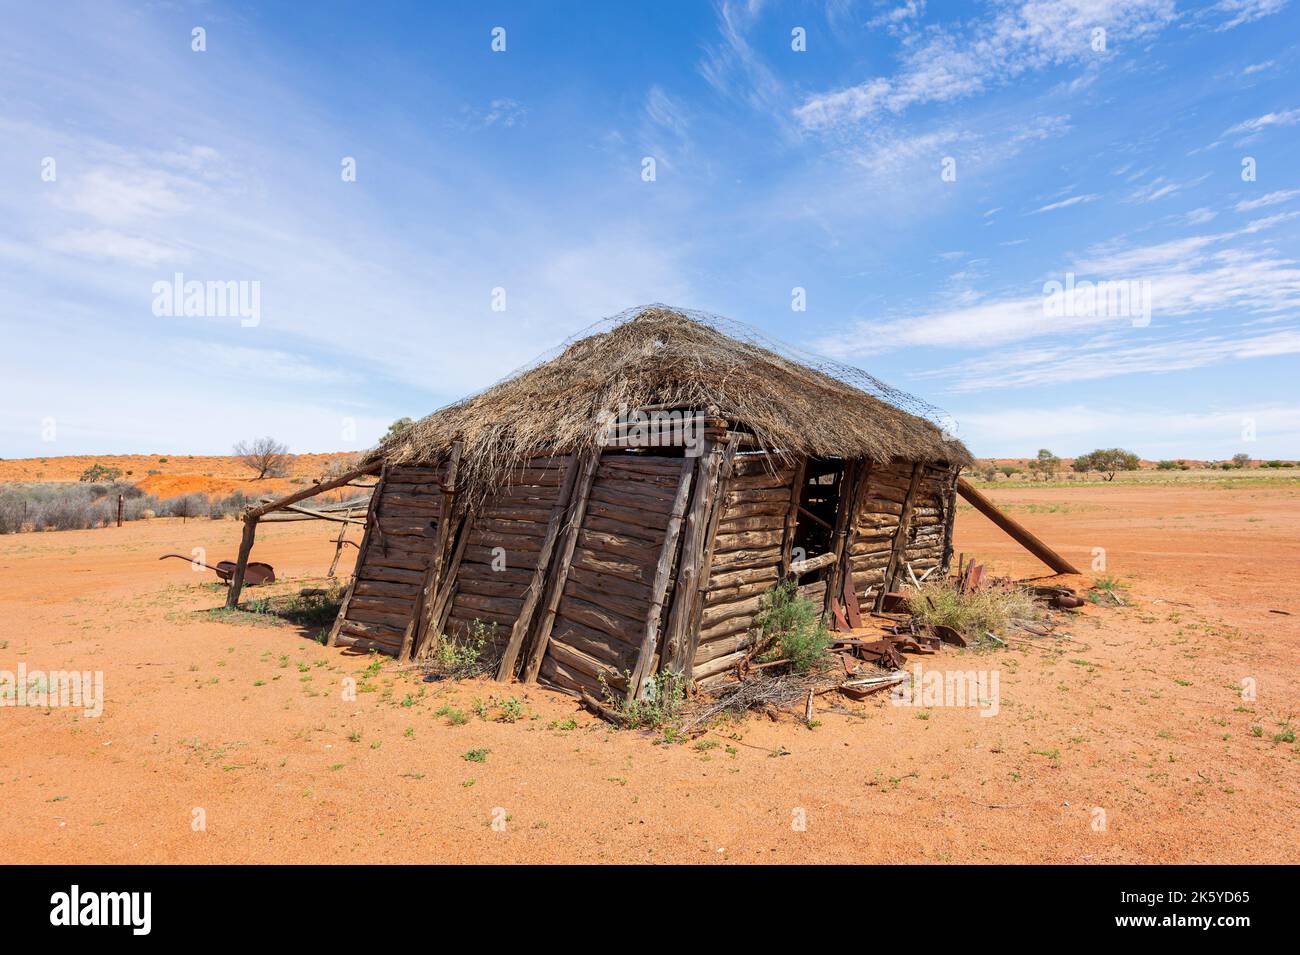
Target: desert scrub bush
464 658
794 626
184 506
984 610
13 512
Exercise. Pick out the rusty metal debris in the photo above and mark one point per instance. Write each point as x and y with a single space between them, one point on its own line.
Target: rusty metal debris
256 573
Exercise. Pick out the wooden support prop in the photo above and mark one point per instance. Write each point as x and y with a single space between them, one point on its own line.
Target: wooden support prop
662 578
815 519
333 637
900 536
559 572
433 575
510 658
338 546
691 643
241 563
688 567
792 518
250 525
313 490
1018 532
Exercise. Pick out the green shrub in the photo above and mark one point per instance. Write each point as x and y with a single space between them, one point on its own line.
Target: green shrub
462 659
659 706
795 626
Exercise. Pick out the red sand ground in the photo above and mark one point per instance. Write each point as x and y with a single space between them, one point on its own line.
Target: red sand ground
1134 710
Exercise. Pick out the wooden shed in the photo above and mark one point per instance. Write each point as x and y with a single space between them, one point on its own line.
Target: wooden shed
624 507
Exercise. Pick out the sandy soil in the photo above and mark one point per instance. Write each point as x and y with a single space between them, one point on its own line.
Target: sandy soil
1135 711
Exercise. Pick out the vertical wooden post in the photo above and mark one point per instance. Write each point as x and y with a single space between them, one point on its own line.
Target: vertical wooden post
121 506
691 644
436 559
510 658
560 569
688 567
949 519
792 517
663 574
850 502
843 517
241 563
900 536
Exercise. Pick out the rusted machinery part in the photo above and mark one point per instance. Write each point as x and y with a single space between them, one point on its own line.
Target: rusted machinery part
256 573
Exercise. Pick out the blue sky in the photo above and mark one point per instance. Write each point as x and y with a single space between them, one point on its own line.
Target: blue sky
921 170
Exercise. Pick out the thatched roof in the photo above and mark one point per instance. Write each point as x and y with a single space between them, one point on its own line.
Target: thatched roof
662 357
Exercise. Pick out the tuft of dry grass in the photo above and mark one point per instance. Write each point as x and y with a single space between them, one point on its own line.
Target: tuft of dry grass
990 609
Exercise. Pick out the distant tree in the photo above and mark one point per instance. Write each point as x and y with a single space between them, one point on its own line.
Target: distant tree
266 456
1241 460
1046 464
397 427
1108 461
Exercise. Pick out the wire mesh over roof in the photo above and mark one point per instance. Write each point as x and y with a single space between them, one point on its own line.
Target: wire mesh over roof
659 356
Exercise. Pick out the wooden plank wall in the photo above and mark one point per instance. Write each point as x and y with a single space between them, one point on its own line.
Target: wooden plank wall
391 569
876 524
746 560
927 533
513 518
601 618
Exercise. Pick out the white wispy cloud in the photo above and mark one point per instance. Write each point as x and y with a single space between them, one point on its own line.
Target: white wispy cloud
941 64
1188 276
112 245
1239 12
1066 203
1108 358
1271 199
1285 118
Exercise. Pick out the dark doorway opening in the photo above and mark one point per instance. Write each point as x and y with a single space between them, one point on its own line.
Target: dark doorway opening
819 504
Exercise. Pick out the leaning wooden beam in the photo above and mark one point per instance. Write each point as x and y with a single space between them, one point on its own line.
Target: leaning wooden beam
662 578
559 572
1019 533
900 536
692 642
688 567
314 490
371 509
435 617
808 565
295 512
253 513
510 658
439 549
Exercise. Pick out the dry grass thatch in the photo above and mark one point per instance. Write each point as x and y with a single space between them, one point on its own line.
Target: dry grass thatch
660 357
